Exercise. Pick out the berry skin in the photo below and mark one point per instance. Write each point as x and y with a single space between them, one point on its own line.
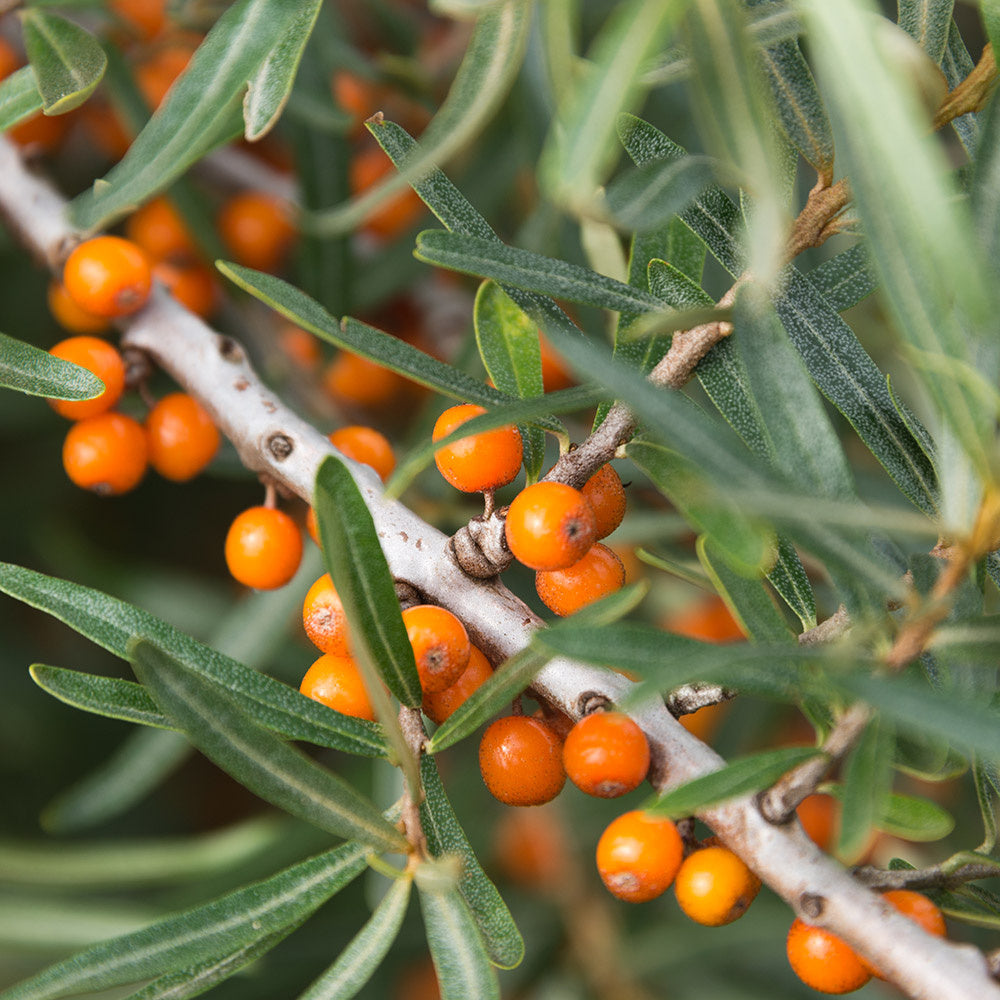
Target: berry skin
438 705
440 644
824 962
531 849
919 909
564 591
108 276
353 379
257 231
182 438
819 815
69 315
323 618
106 453
158 228
336 682
192 284
263 548
99 357
714 887
550 526
483 461
520 759
638 856
707 619
400 212
147 18
606 494
367 446
606 754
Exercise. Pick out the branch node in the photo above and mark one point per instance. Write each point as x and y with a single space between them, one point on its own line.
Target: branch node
812 905
407 595
591 701
280 446
480 547
230 349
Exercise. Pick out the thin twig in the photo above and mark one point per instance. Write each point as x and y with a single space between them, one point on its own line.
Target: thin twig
935 877
412 725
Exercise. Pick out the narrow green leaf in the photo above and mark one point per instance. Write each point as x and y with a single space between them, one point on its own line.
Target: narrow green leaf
67 60
270 87
746 598
984 194
201 110
508 345
358 568
789 579
353 335
463 968
112 623
796 99
932 273
280 774
739 777
534 272
867 781
359 960
846 279
987 781
915 819
230 922
648 197
446 836
19 97
491 62
957 64
35 372
109 696
928 21
580 145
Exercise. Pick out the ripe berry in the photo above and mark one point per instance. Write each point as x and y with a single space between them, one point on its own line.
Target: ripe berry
440 644
263 548
824 962
156 74
638 856
182 438
606 754
708 619
483 461
158 228
550 526
564 591
147 18
300 346
69 315
108 276
919 909
191 283
520 759
367 446
555 374
323 618
256 229
336 681
396 215
531 848
353 379
438 705
819 815
99 357
606 494
106 453
714 887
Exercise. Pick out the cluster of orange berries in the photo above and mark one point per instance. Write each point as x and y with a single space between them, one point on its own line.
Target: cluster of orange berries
108 451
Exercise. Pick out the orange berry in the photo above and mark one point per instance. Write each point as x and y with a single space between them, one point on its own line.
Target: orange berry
638 856
158 228
606 754
311 526
263 548
531 848
99 357
550 526
564 591
147 18
438 705
703 722
353 379
708 619
191 283
69 315
714 887
824 962
440 644
106 453
108 276
819 815
483 461
323 618
606 494
43 131
367 446
9 59
182 437
336 681
257 230
919 909
156 75
520 759
300 345
555 375
401 211
359 97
